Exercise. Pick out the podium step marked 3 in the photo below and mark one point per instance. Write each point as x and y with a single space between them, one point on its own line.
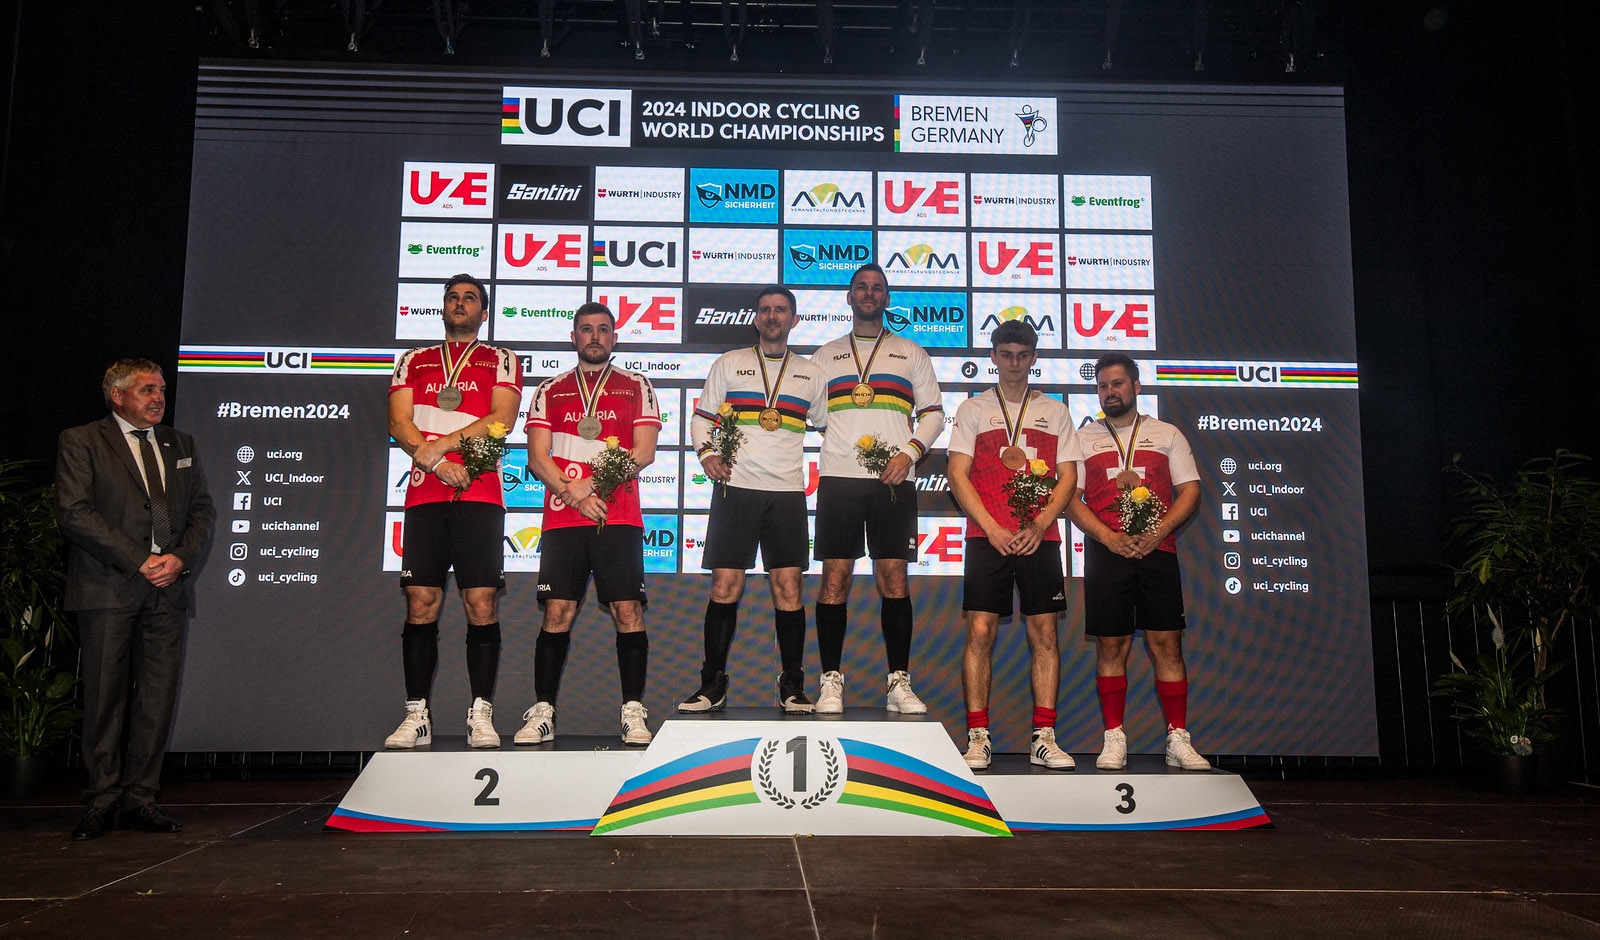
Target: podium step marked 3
742 772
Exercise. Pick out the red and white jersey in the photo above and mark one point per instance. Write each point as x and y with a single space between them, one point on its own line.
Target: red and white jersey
1162 459
773 461
423 371
627 401
980 433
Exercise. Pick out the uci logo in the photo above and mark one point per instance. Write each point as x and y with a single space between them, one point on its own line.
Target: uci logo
566 117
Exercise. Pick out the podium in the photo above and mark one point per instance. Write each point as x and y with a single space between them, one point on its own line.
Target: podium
747 771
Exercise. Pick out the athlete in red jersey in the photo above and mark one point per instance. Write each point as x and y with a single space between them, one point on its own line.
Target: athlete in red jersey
1000 433
1132 581
572 419
441 395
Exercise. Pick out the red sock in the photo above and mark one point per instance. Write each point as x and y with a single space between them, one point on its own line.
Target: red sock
1174 702
1113 699
1044 717
978 719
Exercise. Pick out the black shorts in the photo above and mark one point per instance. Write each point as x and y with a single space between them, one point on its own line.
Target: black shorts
468 536
989 577
743 518
1123 594
614 555
846 506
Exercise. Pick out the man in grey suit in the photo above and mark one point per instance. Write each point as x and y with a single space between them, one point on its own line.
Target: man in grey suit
132 503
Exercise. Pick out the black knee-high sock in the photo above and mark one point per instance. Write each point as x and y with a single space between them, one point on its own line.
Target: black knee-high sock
549 659
896 614
419 651
831 619
633 663
721 621
791 629
483 658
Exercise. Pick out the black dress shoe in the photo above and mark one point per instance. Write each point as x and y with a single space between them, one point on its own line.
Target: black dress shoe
150 818
94 824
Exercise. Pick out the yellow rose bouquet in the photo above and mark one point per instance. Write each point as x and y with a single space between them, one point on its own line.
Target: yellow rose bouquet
1028 490
611 469
1140 510
874 455
482 455
726 438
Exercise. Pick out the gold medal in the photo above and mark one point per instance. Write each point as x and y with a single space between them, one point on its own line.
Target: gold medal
1014 458
862 395
770 419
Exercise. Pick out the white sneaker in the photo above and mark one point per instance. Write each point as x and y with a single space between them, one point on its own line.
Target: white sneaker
415 731
1180 753
480 725
1114 756
901 699
830 697
979 751
635 733
541 724
1044 751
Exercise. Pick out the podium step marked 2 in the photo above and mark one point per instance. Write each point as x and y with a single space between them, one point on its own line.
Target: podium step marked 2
748 772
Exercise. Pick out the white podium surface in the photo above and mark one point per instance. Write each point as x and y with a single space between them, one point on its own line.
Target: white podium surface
749 772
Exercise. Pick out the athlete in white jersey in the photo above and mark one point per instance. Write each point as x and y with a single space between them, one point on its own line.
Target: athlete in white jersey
769 393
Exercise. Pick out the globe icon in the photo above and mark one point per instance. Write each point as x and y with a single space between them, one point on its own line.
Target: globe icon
1086 372
1228 466
245 454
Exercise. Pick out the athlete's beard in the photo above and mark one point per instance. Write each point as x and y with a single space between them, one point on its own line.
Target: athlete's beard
594 355
1116 410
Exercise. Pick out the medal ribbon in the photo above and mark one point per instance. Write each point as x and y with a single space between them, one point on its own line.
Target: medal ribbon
1133 442
771 391
863 373
592 401
452 368
1012 433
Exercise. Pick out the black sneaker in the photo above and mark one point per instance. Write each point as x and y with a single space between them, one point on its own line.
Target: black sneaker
711 697
792 694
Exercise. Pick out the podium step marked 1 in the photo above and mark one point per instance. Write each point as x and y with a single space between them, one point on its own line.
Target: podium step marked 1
744 772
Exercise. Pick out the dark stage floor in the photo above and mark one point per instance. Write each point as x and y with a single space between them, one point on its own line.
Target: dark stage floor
1397 859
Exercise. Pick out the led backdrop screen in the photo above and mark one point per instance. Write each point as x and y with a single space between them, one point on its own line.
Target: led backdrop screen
1203 231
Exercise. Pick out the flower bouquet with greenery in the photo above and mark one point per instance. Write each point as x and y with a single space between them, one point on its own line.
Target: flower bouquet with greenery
1028 490
726 438
611 469
480 455
1139 510
874 455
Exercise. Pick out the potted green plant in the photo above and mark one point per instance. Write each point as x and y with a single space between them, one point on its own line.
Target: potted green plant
1530 557
1498 703
38 689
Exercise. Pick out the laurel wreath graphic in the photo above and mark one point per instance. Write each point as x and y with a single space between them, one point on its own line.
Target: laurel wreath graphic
769 789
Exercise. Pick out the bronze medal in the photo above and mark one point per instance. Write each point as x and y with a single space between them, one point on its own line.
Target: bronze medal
1014 458
862 395
1128 479
770 419
589 428
449 398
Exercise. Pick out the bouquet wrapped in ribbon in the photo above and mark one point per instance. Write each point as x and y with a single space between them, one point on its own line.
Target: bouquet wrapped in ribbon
611 469
1028 490
482 455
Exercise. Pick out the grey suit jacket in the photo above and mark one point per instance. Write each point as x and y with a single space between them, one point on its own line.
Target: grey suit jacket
104 513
